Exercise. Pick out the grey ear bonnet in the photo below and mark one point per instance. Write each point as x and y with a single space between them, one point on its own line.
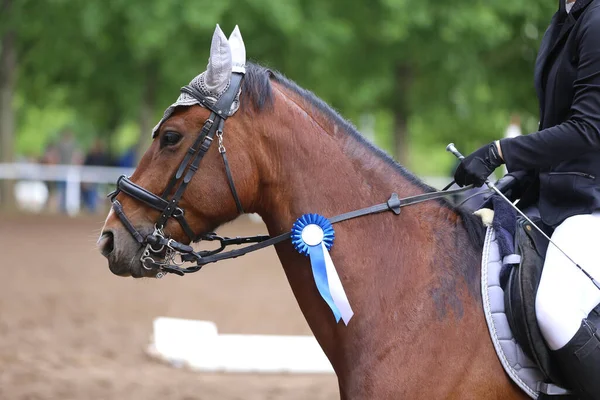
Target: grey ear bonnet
185 100
226 56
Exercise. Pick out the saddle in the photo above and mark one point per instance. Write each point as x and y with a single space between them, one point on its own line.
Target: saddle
520 282
512 263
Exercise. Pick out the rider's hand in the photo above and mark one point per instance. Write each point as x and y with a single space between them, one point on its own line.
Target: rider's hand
476 167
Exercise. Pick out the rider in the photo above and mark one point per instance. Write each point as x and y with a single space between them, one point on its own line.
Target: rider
564 158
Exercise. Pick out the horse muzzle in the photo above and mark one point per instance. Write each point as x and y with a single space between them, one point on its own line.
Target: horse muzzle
123 253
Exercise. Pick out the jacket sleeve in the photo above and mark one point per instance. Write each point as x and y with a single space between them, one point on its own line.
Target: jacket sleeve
514 184
576 136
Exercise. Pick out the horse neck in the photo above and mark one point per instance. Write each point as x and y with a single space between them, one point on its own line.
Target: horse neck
312 164
398 271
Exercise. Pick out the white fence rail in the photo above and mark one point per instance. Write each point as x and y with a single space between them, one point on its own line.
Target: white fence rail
78 173
31 190
32 193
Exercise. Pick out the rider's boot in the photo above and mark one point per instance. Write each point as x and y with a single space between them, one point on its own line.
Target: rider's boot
579 361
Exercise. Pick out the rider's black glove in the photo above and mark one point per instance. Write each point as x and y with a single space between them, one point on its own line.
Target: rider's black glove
476 167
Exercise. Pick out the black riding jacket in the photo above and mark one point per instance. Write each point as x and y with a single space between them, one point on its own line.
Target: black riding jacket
565 153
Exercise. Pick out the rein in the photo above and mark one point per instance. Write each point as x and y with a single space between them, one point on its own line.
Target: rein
201 258
158 245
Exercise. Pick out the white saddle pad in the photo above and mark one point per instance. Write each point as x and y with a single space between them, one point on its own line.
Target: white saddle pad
517 365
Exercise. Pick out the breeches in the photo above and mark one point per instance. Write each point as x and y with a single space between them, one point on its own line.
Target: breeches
565 295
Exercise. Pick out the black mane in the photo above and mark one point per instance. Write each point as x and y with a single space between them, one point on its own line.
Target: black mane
256 87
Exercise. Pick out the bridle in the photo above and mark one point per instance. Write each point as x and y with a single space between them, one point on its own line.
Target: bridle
166 249
167 204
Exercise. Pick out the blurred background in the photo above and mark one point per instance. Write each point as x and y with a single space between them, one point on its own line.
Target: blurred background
82 83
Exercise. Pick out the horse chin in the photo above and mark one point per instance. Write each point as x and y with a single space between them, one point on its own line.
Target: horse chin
126 262
133 270
118 271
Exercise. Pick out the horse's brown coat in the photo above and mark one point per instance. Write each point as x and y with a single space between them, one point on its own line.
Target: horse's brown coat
418 330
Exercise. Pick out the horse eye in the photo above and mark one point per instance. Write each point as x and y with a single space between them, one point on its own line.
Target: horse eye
170 138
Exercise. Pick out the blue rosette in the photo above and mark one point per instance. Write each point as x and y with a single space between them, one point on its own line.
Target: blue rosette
313 236
312 219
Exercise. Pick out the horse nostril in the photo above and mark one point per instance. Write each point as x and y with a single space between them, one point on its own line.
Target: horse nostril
106 243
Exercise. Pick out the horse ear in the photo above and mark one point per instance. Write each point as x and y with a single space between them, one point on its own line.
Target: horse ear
238 51
218 70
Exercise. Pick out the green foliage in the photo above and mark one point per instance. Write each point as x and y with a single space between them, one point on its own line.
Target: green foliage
454 71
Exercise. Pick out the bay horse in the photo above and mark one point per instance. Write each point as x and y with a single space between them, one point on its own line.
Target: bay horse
418 330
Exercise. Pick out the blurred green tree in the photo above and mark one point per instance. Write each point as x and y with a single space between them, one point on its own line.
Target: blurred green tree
430 72
441 71
8 70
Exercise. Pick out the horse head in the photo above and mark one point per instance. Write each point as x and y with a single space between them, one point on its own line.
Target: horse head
227 179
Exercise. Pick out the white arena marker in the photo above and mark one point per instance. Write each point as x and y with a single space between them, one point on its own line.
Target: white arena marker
197 345
182 340
272 354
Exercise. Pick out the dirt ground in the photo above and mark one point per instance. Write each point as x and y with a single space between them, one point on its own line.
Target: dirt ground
69 329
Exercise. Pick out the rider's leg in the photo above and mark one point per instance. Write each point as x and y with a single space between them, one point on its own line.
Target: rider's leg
565 298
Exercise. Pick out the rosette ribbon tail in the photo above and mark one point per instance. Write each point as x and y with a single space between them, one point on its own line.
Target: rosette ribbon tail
319 269
336 289
313 236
